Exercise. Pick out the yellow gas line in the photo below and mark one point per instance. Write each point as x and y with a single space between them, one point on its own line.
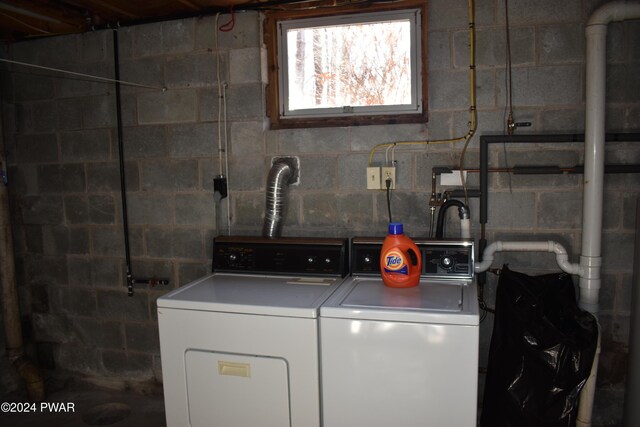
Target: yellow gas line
472 96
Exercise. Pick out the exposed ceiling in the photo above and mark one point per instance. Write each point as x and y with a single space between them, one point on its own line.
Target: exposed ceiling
20 19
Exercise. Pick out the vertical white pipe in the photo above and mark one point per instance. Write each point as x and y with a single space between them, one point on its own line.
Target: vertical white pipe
591 259
587 395
596 35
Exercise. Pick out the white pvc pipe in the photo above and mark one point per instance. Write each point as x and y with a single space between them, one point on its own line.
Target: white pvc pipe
591 259
465 228
596 35
562 258
588 392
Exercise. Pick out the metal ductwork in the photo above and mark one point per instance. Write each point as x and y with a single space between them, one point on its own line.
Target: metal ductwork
283 173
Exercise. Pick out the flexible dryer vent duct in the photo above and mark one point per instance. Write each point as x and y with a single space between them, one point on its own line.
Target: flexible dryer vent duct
282 173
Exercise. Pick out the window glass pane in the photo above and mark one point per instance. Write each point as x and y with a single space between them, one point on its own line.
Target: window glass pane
356 65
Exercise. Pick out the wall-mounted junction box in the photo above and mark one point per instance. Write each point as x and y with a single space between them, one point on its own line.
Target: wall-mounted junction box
453 178
388 172
373 178
377 177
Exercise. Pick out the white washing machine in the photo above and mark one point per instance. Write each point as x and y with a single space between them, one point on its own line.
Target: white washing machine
240 347
402 357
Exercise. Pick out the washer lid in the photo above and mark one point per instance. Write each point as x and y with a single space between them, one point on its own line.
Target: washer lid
253 294
449 302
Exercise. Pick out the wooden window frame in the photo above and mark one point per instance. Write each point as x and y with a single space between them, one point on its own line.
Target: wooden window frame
273 90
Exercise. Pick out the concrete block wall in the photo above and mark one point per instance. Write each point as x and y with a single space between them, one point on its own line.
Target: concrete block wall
62 145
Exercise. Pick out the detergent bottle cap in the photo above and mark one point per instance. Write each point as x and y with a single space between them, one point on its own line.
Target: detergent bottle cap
395 228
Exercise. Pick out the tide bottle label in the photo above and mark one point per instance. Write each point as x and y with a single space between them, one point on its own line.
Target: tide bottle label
395 263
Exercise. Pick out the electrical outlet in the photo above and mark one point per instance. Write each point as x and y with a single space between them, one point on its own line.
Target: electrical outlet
373 178
388 172
453 178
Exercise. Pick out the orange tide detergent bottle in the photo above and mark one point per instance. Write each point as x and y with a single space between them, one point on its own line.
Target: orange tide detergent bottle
400 260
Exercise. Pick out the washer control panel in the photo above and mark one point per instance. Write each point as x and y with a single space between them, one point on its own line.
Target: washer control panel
440 258
448 260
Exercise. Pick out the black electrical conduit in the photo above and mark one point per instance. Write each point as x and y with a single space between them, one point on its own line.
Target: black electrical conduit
131 281
542 170
486 140
524 170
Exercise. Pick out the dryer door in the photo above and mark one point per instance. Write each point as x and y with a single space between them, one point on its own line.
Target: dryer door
236 390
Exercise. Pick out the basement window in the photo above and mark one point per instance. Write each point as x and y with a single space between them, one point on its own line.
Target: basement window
348 67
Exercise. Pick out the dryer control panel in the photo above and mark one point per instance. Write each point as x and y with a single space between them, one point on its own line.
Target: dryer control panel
286 256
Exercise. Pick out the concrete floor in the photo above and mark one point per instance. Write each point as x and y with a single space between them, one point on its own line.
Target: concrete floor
73 404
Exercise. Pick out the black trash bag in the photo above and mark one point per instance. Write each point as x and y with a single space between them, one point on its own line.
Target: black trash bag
541 352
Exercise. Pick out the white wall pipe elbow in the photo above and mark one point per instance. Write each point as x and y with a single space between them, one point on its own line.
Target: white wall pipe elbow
487 258
614 11
562 258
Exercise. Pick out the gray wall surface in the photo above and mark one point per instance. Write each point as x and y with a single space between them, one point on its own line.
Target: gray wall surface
61 142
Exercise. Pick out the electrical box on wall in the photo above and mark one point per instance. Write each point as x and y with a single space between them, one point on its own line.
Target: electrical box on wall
373 178
388 173
453 178
377 177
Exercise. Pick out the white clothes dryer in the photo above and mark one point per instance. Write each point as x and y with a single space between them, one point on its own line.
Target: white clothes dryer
240 347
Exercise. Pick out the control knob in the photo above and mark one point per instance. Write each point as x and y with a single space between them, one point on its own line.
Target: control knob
447 262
